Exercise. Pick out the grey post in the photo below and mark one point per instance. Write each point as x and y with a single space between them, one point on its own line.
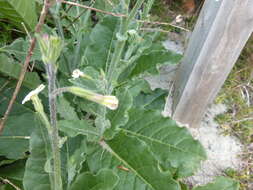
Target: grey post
221 32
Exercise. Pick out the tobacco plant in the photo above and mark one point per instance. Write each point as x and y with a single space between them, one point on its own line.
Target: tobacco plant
97 125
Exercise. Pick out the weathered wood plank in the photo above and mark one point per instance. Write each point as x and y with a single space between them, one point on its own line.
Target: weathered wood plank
220 34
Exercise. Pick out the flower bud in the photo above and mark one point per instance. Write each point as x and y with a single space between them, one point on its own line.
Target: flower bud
134 36
50 47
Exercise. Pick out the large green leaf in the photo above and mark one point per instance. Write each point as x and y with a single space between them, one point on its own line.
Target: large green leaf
75 156
154 100
14 142
13 171
173 146
152 58
149 61
119 117
128 180
143 169
18 108
98 158
19 11
12 69
65 110
136 155
101 39
136 86
104 180
75 127
138 48
35 177
105 5
178 153
220 183
19 49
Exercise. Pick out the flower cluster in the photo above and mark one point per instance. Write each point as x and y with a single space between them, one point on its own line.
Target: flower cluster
50 47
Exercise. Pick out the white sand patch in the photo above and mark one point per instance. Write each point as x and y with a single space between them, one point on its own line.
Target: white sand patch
222 151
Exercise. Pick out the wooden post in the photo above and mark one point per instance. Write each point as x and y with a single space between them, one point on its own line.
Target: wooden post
221 32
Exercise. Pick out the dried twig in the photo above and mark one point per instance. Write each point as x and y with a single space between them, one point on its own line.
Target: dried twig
84 11
122 15
30 39
155 30
92 8
38 27
70 7
163 23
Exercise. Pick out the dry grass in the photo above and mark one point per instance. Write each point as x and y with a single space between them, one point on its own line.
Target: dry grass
237 94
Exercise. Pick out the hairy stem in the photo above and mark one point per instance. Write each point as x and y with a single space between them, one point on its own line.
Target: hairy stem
116 58
54 136
120 44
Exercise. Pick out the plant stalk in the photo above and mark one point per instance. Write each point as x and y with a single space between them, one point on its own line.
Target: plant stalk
120 44
54 136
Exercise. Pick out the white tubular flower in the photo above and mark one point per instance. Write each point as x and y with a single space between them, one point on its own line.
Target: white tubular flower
77 73
111 102
33 93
